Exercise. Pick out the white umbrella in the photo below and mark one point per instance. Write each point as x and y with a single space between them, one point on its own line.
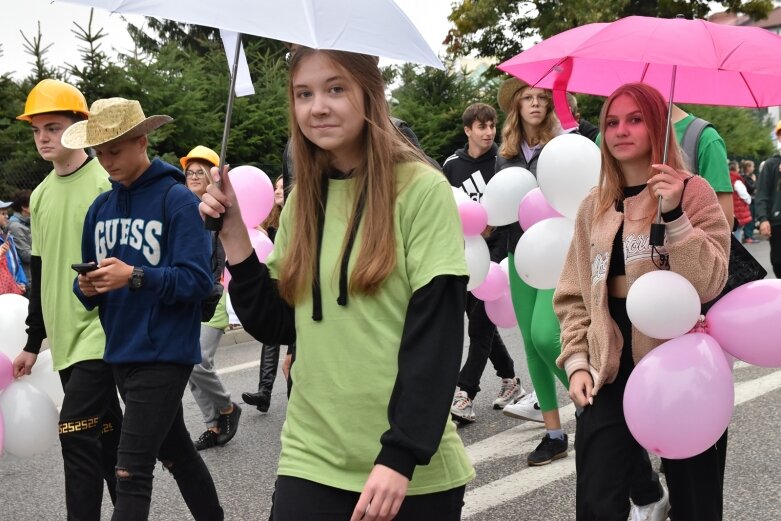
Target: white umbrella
374 27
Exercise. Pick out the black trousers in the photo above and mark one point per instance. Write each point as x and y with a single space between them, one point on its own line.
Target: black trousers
484 344
153 429
775 250
611 465
90 422
302 500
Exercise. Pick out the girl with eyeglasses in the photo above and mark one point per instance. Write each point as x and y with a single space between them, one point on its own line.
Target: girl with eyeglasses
220 414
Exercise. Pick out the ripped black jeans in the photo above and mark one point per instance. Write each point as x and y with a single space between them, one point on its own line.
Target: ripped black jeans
153 428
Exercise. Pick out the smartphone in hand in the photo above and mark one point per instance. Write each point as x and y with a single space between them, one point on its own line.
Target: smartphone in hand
84 267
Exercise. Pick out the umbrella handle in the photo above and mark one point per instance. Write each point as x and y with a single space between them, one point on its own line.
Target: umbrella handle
212 223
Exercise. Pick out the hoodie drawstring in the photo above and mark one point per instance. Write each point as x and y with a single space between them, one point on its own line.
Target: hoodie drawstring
317 303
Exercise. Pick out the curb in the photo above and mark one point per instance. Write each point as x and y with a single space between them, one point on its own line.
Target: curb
235 336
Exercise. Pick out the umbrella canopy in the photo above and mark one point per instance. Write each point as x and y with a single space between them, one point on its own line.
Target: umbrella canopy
376 27
712 64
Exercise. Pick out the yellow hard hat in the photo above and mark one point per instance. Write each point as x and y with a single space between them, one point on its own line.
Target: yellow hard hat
54 96
201 152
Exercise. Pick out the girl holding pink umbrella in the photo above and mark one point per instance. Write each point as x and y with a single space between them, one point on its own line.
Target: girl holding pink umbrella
600 346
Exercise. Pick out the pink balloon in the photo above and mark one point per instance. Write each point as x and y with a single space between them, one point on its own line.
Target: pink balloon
495 284
680 396
474 217
254 192
262 246
744 322
6 372
501 311
535 208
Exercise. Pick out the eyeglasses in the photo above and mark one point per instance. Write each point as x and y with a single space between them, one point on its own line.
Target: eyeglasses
540 99
194 173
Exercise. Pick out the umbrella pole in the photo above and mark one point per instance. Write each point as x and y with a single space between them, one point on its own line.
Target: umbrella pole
657 228
211 223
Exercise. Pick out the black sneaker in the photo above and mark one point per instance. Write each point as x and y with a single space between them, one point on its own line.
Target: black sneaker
207 440
228 424
260 399
548 450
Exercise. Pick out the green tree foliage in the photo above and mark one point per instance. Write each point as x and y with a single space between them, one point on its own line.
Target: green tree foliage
744 132
497 28
431 101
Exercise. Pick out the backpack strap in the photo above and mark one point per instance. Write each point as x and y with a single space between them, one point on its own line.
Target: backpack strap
690 143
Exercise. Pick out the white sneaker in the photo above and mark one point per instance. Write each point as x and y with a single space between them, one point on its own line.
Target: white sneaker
510 391
526 408
654 512
461 410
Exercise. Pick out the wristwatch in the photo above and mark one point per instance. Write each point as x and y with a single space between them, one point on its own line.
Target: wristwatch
136 278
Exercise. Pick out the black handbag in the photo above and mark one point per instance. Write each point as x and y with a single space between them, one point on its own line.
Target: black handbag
743 268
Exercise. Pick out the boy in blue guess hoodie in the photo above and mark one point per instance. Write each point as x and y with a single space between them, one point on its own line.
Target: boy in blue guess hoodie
153 258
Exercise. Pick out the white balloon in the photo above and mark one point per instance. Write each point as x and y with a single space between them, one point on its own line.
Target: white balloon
505 265
503 194
459 195
542 250
568 168
13 313
30 419
45 378
663 304
478 260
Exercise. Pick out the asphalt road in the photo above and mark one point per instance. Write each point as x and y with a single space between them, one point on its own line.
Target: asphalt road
505 487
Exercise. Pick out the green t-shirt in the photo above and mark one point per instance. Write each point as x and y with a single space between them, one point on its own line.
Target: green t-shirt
711 155
58 207
346 365
220 318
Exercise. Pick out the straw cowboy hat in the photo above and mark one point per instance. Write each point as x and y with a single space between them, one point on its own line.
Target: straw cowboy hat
112 119
507 91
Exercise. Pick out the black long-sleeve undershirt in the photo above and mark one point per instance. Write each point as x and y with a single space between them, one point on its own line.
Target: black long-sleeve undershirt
36 328
429 356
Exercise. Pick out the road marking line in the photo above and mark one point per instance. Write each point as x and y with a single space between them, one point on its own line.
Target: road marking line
238 367
530 479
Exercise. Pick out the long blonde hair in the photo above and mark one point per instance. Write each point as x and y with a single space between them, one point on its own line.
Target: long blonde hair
653 110
512 131
374 177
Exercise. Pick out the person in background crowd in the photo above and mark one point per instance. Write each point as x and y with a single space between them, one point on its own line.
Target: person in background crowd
19 228
57 209
741 201
590 301
154 279
220 414
585 127
12 277
768 204
368 275
530 124
470 169
749 177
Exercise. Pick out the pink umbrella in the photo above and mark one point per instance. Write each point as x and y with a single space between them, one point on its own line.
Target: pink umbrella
693 60
711 64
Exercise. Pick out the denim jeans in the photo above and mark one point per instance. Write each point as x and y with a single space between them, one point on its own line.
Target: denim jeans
90 422
153 428
484 344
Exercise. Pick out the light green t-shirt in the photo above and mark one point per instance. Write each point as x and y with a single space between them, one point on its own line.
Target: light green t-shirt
58 207
346 365
711 155
220 318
